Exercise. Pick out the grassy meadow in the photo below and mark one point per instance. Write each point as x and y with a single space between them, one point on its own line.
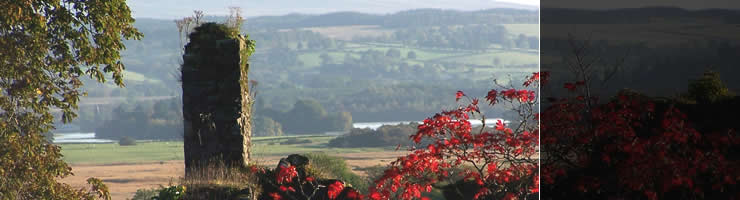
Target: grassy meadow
526 29
145 152
311 58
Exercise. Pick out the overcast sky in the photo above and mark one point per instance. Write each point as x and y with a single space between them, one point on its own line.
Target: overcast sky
524 2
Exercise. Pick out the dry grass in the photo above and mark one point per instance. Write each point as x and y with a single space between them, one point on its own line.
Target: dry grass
124 179
217 173
217 180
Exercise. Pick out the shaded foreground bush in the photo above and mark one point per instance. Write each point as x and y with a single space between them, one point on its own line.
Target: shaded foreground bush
443 190
333 167
145 194
294 178
295 141
127 141
649 147
171 193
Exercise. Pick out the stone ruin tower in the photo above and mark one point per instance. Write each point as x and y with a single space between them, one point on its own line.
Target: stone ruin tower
215 97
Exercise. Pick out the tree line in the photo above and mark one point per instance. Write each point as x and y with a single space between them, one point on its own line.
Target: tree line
411 18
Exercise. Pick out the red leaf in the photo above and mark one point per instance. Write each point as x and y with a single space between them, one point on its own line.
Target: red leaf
432 149
509 196
375 196
492 97
570 86
491 168
335 189
286 174
353 194
275 196
500 125
459 95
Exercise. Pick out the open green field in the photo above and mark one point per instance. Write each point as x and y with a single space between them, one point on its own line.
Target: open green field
113 153
165 151
422 54
526 29
505 57
312 59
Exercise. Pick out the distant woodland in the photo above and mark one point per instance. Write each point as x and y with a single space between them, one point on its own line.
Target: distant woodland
351 67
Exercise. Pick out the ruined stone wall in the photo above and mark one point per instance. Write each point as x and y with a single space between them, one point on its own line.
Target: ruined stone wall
216 101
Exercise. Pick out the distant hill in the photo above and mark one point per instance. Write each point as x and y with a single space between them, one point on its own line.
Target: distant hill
180 8
376 66
410 18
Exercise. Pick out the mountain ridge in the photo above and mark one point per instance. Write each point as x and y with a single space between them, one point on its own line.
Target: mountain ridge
181 8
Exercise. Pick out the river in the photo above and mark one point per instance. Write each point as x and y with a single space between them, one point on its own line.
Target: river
60 138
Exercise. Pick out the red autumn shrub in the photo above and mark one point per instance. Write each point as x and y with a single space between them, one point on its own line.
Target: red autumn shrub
334 189
290 180
503 159
286 174
632 147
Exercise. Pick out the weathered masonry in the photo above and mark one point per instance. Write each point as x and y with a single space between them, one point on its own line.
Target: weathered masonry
216 101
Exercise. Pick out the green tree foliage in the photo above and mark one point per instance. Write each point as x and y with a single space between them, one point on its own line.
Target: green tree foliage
534 42
341 121
265 126
307 116
127 141
283 57
304 39
307 109
393 53
89 117
326 166
304 117
288 74
410 18
145 194
160 120
326 59
708 89
384 136
290 141
48 46
411 55
475 37
522 41
176 192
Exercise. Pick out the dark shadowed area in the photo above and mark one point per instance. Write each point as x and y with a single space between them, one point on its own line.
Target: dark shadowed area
649 92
